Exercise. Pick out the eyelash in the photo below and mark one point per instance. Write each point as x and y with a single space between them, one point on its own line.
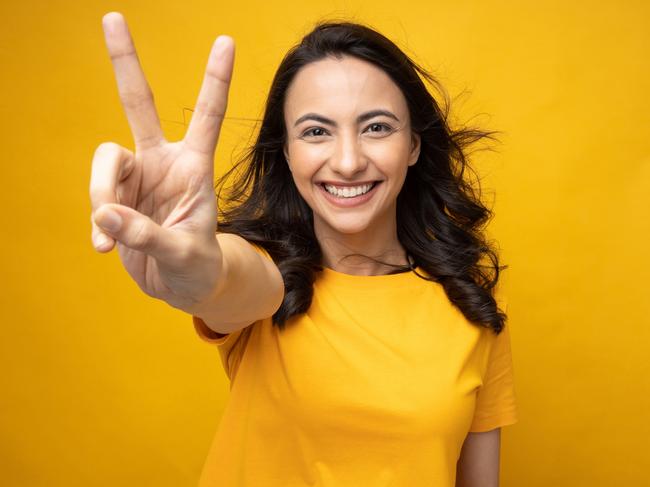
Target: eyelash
305 134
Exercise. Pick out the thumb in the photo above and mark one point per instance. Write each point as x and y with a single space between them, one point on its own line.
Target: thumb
136 231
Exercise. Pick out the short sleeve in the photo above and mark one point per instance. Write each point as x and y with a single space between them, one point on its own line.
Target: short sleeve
209 335
231 346
495 402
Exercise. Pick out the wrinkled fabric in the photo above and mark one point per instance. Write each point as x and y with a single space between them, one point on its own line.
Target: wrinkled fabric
377 384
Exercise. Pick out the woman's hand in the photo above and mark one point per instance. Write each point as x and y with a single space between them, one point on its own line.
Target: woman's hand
157 204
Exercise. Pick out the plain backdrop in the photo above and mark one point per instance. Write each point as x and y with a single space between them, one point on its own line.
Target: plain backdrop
101 385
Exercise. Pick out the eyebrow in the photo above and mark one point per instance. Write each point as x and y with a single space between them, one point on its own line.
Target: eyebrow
361 118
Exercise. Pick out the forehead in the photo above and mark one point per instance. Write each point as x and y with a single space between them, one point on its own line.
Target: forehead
342 86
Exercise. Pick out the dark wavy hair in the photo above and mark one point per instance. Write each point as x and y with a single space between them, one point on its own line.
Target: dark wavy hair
440 216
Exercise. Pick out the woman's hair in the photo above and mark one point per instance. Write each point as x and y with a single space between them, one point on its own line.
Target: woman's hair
440 216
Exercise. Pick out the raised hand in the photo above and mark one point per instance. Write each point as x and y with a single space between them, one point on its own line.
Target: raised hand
157 204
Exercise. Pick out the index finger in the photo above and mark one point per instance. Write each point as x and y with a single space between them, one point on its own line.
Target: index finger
211 104
135 94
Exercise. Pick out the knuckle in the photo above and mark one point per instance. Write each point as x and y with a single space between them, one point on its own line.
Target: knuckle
106 148
210 110
137 98
125 52
219 78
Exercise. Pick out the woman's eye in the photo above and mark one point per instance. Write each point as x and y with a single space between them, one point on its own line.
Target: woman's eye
379 128
317 132
314 132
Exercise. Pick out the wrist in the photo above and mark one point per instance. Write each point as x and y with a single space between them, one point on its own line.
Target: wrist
213 274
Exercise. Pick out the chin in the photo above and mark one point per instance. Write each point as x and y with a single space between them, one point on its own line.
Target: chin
348 228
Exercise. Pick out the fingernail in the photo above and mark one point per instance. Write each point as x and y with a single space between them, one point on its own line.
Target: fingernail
109 220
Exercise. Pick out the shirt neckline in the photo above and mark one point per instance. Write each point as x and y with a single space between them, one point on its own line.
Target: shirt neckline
328 275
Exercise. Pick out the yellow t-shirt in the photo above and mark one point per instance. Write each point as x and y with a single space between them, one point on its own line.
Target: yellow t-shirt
377 384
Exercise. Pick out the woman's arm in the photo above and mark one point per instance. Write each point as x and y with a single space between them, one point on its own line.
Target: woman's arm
478 465
251 288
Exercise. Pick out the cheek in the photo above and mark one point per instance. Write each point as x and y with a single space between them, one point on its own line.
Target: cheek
306 160
390 155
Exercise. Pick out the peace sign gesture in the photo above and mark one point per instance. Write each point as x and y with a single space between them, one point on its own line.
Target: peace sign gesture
157 204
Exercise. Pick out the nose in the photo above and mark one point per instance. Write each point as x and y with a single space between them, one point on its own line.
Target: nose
348 158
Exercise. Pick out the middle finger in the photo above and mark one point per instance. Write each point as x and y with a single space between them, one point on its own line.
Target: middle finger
210 109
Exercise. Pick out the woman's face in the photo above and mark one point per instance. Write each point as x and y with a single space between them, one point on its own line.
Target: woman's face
349 144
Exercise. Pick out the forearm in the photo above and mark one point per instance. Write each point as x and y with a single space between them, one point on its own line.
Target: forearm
478 464
249 288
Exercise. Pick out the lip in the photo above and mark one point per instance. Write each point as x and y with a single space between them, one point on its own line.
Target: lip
348 202
348 185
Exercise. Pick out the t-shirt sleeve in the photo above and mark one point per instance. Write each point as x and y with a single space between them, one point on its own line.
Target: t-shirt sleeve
495 403
231 346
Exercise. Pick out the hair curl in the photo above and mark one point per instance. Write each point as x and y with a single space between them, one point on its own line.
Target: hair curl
440 216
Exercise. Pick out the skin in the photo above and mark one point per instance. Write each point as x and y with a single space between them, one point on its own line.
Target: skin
157 205
380 148
478 464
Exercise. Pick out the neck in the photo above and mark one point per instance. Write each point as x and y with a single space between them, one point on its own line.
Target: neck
379 242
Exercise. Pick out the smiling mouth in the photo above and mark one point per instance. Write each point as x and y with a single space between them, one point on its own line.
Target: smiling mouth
349 192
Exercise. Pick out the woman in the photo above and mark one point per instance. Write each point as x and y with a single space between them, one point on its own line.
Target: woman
349 289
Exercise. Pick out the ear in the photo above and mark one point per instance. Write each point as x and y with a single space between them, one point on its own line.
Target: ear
415 149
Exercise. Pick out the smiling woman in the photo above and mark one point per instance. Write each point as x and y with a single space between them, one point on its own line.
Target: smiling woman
351 171
348 108
349 288
355 190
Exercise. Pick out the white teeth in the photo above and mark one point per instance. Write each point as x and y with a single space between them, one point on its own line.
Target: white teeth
348 192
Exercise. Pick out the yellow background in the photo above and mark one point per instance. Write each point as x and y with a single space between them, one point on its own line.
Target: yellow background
103 386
